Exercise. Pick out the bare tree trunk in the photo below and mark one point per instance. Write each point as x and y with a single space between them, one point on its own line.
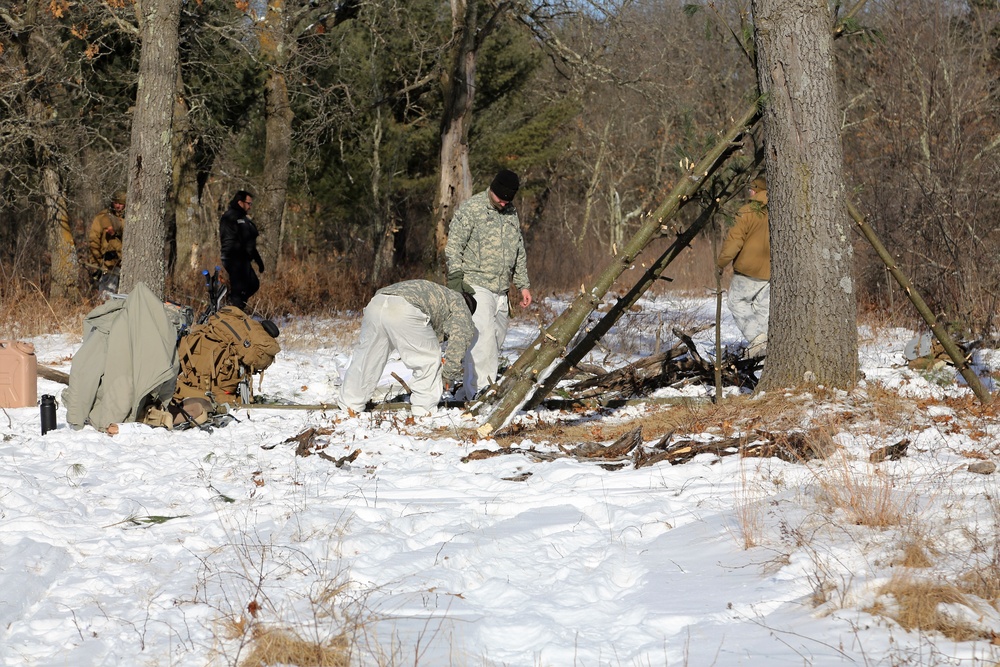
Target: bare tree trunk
277 156
812 336
190 234
150 158
64 269
459 88
385 229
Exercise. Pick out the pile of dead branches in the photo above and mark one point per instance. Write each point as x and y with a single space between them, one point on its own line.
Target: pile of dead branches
629 450
679 366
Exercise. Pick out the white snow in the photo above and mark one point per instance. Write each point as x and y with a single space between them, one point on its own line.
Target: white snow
148 547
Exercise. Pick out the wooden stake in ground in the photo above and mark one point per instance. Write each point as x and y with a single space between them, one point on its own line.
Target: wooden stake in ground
957 356
520 378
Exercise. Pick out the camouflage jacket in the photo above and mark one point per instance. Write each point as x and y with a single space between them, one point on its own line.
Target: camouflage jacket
105 236
449 317
486 245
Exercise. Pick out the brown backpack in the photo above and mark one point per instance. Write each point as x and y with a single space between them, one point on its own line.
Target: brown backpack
219 357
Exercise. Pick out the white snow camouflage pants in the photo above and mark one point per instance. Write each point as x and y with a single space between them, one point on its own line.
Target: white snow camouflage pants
483 358
750 303
392 323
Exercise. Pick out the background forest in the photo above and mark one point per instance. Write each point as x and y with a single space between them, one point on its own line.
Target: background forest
340 119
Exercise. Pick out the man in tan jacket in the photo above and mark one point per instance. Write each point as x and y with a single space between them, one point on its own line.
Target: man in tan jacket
748 247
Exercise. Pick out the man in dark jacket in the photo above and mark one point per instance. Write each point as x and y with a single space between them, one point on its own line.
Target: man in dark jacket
238 241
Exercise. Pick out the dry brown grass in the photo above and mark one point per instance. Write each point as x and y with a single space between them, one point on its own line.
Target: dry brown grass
868 497
27 312
916 553
308 286
918 606
279 646
300 287
773 412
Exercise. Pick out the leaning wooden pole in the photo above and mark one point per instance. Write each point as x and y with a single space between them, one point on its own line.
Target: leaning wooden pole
648 278
520 378
949 345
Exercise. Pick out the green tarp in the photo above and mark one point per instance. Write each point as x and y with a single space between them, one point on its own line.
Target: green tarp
128 360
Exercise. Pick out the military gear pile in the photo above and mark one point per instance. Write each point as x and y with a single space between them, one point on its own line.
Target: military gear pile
220 356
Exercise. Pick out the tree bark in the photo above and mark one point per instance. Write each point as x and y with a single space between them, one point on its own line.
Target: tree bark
150 159
459 88
812 335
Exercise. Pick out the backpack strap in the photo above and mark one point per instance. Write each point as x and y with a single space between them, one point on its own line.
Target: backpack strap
245 341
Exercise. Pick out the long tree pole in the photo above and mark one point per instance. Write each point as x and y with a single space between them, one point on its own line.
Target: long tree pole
925 312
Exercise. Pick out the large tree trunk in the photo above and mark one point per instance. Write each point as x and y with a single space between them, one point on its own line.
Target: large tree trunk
812 335
150 160
459 86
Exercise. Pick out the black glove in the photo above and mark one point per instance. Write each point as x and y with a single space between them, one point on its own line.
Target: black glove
110 256
260 265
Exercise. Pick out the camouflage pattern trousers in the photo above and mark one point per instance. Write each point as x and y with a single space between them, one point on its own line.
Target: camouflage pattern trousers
483 358
750 303
392 323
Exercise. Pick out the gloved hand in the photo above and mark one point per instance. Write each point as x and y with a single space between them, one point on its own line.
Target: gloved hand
456 280
260 265
110 256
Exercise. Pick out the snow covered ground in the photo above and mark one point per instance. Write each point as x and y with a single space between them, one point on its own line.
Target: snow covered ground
168 548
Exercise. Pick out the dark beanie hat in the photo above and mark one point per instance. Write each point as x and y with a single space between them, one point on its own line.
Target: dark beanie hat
505 185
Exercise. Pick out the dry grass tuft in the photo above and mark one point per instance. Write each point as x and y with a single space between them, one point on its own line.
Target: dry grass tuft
282 647
982 582
869 498
922 605
886 407
916 553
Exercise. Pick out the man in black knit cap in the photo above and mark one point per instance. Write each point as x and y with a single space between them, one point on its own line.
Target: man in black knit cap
485 250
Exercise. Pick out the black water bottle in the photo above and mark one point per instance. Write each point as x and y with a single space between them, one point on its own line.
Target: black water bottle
48 412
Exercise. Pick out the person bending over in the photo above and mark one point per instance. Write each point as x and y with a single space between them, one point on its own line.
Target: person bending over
412 317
